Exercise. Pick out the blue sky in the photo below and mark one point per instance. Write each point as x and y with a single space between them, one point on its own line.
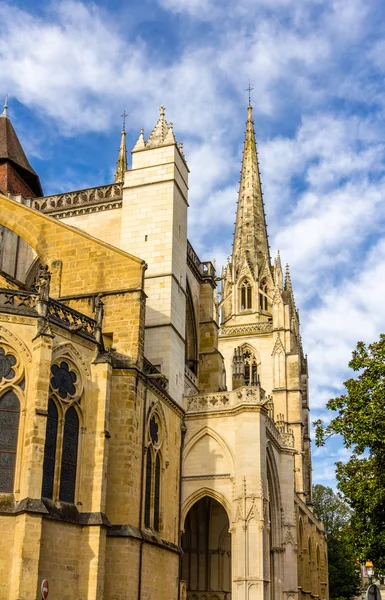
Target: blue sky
317 68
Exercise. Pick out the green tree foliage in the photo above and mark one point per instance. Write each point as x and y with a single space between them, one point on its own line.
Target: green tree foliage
344 577
360 420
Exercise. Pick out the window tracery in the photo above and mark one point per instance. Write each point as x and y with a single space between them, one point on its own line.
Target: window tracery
246 295
153 474
12 384
251 368
62 433
263 297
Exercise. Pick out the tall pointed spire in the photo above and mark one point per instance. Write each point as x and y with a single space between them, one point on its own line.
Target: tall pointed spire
121 164
250 236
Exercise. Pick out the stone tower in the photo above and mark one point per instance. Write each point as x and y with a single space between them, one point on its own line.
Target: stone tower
154 226
259 337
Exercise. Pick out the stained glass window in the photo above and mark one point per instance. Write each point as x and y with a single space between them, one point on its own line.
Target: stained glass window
147 499
157 493
69 456
246 296
50 450
154 427
9 427
63 380
7 361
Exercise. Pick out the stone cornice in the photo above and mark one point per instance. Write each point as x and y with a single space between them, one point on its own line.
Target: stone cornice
148 536
212 476
252 328
79 202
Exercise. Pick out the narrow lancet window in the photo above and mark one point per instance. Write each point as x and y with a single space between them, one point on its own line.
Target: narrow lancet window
153 474
246 295
157 493
50 450
147 500
69 456
263 297
9 428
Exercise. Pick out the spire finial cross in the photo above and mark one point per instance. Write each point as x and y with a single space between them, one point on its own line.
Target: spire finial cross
124 115
249 89
5 106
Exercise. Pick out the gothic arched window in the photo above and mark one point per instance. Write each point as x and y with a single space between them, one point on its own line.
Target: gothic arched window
11 382
9 428
157 493
69 456
147 500
50 450
251 369
62 435
153 475
246 295
263 297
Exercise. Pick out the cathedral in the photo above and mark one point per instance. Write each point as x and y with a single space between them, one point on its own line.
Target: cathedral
154 432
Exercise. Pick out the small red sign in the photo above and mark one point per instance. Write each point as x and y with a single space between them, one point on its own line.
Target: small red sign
44 589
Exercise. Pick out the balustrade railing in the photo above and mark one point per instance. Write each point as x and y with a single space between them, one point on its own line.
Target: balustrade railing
62 314
17 299
80 198
25 301
153 373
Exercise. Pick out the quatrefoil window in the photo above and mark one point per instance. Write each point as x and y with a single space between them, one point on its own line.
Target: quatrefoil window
7 361
63 380
154 430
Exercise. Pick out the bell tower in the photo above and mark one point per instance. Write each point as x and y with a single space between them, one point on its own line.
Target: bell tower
154 226
259 336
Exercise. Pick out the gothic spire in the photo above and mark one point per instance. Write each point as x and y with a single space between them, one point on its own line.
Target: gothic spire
250 236
121 164
13 156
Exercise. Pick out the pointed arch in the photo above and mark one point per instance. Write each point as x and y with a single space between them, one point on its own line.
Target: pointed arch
12 340
198 495
18 222
245 291
68 350
157 408
191 337
279 355
274 497
263 295
206 430
252 364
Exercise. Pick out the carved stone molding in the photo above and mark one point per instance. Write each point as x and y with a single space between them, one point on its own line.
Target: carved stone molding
69 204
233 330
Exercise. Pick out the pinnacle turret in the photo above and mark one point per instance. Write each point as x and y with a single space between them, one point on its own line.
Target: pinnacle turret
288 287
161 135
250 236
121 163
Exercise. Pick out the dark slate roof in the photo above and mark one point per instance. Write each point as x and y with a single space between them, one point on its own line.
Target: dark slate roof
12 151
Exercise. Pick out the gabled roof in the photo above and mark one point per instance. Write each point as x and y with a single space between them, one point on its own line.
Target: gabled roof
12 151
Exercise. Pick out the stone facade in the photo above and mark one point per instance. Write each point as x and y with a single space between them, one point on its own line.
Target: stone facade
156 436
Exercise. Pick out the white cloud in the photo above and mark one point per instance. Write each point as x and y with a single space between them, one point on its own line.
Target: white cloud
318 120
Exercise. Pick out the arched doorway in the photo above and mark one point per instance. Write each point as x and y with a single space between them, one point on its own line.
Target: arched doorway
206 544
